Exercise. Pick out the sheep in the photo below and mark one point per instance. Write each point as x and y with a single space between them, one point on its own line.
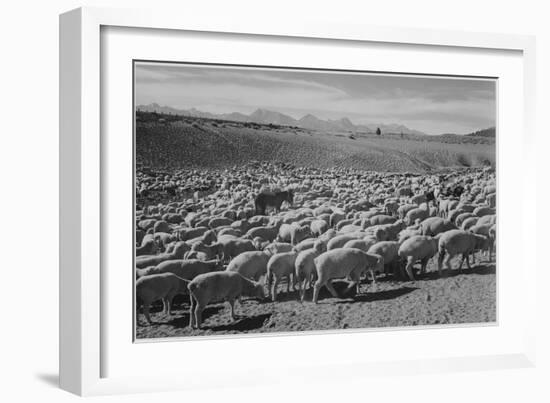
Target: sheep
418 213
363 244
318 227
487 219
149 248
179 251
306 244
184 268
298 234
278 247
284 233
456 242
389 252
211 251
340 240
219 286
341 263
462 217
304 267
252 265
483 211
420 247
380 219
190 233
163 286
231 247
485 230
404 209
268 233
280 265
469 222
161 226
435 225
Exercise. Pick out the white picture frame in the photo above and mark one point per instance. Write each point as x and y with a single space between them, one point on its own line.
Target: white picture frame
85 346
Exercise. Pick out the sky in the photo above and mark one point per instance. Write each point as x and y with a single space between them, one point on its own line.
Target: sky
433 105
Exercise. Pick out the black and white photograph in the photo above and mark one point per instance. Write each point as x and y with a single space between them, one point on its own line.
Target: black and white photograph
277 200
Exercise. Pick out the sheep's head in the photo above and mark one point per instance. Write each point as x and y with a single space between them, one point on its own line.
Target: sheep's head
258 291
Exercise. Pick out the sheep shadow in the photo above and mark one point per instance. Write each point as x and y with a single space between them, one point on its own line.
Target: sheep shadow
480 269
380 295
182 320
244 324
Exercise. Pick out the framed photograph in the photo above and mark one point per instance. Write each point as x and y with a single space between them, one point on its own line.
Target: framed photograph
232 190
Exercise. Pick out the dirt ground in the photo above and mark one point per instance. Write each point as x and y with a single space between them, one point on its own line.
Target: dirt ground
457 297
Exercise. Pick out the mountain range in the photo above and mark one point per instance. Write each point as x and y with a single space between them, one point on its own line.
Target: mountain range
265 116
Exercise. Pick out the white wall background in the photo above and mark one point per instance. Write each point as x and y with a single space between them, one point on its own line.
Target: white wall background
29 196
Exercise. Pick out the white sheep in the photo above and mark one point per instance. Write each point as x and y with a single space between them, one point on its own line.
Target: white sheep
219 286
420 247
279 266
163 286
456 242
389 252
252 265
304 266
340 263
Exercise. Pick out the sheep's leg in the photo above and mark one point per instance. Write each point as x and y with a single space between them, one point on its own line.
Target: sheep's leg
198 314
232 306
192 312
464 255
146 312
373 277
423 263
288 284
468 260
440 261
274 289
331 289
448 261
316 289
409 267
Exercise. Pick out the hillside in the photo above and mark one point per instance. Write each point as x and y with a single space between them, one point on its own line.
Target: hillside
263 116
170 141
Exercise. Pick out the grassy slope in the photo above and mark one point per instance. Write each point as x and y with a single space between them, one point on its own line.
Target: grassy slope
204 143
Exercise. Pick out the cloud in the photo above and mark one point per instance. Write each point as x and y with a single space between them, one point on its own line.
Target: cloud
433 105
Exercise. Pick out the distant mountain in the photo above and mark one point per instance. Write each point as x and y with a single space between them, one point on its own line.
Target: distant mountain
265 116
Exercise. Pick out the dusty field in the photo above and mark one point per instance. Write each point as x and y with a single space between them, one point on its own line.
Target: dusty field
205 143
467 297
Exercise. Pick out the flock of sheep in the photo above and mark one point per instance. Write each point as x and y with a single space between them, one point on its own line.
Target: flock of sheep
265 225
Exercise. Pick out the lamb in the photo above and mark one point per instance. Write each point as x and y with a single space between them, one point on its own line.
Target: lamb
389 252
435 225
279 266
219 286
457 242
341 263
163 286
252 265
304 267
380 219
420 247
187 269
